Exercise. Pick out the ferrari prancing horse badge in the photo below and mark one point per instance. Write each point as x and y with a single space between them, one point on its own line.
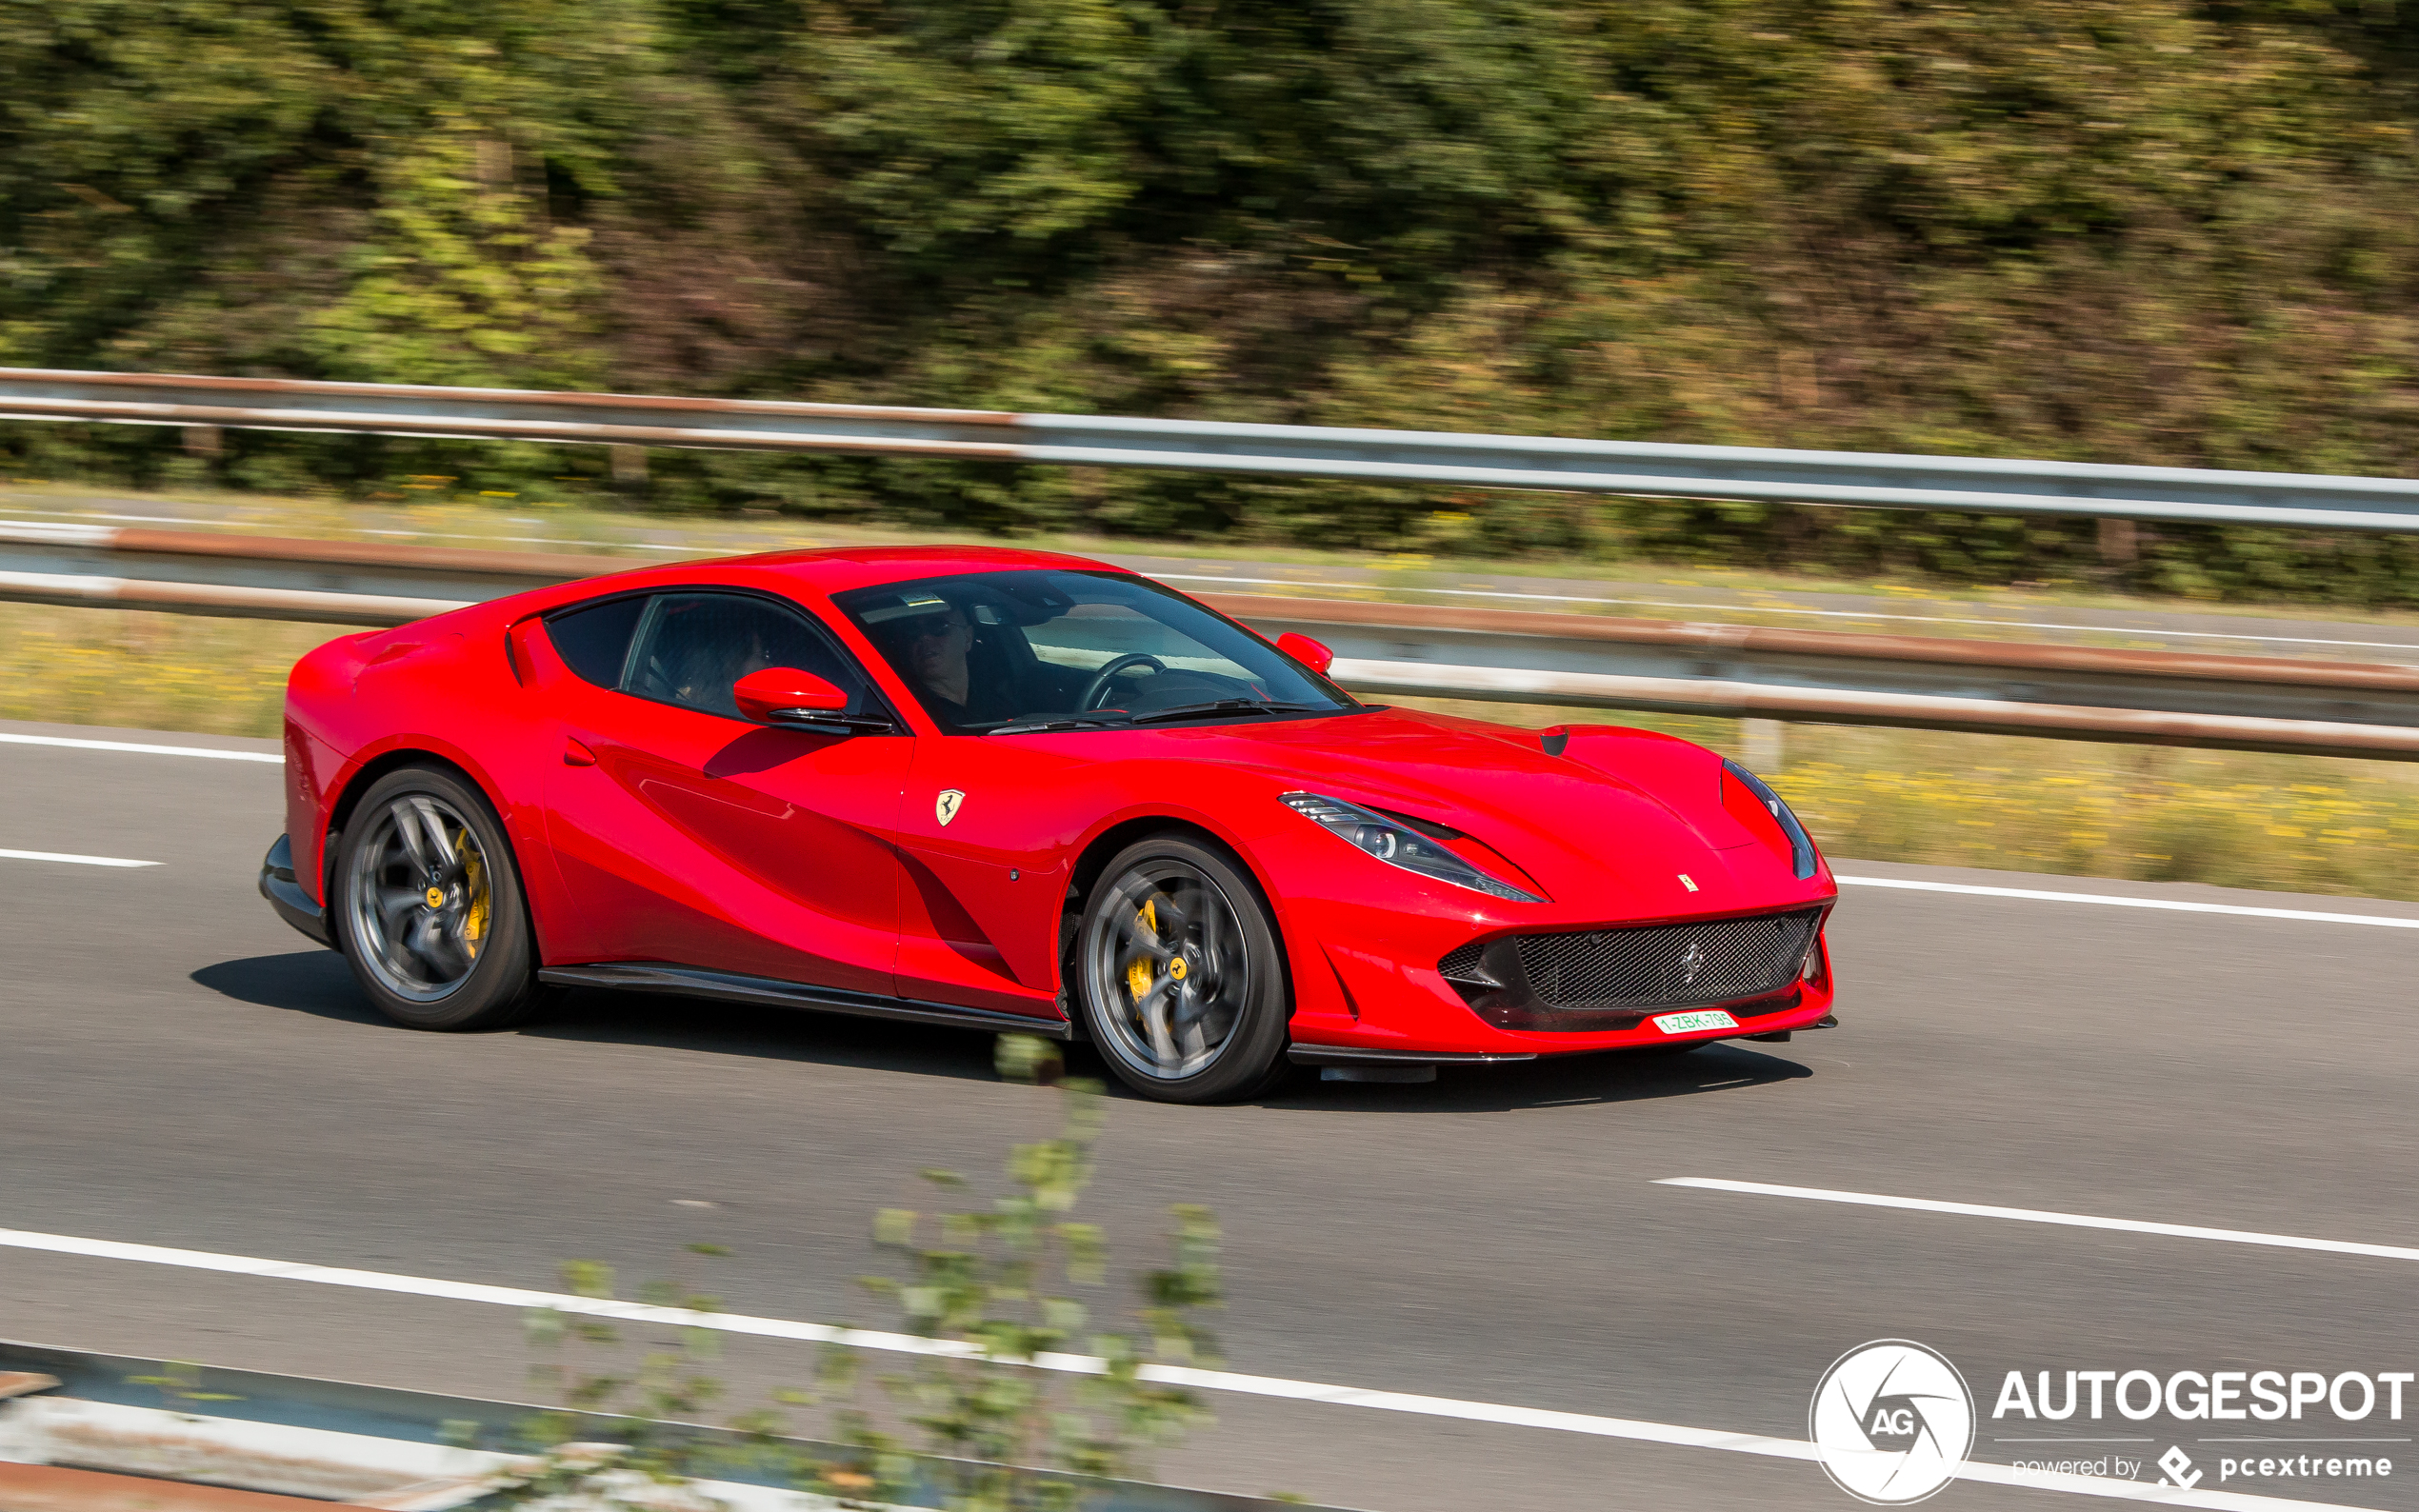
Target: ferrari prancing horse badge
946 806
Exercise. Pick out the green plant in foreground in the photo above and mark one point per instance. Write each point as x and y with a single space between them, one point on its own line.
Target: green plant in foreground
1022 1397
1000 1279
180 1381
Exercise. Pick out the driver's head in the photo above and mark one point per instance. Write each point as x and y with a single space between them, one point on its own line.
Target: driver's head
936 643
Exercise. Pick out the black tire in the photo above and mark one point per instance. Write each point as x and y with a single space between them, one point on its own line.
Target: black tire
466 960
1178 975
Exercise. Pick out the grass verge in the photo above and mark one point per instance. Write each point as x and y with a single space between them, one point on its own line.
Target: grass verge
149 671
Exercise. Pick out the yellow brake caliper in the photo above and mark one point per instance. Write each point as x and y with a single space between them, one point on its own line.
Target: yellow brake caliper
474 884
1138 975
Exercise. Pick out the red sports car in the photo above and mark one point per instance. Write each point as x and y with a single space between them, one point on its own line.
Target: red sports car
1017 790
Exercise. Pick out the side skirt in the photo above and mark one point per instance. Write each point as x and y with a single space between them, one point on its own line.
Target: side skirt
644 976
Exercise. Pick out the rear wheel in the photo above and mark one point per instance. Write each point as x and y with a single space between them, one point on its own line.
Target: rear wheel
1178 975
428 907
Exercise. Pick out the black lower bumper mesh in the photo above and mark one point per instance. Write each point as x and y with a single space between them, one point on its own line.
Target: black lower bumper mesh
1614 978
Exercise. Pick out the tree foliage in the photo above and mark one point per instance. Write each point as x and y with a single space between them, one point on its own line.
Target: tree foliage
2144 230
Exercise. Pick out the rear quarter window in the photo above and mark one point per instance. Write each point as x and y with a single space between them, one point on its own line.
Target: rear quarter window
594 642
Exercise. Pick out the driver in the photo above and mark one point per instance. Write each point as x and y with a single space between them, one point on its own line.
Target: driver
936 646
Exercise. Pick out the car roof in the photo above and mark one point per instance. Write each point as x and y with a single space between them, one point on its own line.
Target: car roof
836 570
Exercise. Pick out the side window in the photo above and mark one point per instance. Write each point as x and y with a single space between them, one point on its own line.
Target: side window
594 642
694 646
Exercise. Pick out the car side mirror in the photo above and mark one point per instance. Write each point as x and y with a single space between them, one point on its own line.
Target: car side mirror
784 695
1306 651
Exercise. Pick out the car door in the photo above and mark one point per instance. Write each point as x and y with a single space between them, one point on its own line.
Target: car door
986 838
991 822
691 835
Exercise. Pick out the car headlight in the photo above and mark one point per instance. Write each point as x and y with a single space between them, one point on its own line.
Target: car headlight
1761 796
1399 844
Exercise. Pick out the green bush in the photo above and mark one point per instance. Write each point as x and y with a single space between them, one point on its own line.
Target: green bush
2142 230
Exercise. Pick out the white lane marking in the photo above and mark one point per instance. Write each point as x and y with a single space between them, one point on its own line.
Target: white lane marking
142 749
2036 1215
79 861
1776 608
74 534
1634 1428
2114 901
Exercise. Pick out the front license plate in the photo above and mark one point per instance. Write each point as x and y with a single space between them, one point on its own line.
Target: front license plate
1694 1023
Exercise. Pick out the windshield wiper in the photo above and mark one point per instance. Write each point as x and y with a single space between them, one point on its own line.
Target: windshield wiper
1224 705
1029 726
823 724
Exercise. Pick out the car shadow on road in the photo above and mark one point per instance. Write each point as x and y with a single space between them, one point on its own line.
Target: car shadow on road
769 1033
313 981
318 982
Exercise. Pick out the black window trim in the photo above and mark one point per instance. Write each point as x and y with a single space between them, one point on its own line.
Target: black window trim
654 595
561 611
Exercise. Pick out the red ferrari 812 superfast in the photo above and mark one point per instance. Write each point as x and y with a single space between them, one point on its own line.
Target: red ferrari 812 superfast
1015 790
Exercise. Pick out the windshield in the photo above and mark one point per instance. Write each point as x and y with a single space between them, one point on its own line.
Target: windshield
1000 652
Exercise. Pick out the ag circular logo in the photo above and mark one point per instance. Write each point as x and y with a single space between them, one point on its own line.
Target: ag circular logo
1891 1420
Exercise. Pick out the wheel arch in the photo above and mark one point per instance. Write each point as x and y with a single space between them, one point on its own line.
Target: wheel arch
1094 859
366 776
1095 855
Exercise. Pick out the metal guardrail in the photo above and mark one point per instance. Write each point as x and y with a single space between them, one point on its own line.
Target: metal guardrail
375 1447
2345 708
319 582
1968 484
1829 677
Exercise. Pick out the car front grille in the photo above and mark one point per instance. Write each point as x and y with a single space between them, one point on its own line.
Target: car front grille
1600 978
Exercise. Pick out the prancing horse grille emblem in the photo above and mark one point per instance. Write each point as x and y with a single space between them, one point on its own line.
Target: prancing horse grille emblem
1691 961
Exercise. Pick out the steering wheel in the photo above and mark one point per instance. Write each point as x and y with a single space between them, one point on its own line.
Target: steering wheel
1099 684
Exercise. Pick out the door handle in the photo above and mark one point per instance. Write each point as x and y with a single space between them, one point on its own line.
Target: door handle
575 754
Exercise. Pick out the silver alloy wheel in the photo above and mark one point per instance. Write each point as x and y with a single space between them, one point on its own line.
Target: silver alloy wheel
419 898
1167 965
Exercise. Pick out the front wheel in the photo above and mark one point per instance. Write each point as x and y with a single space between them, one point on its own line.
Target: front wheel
1178 975
428 906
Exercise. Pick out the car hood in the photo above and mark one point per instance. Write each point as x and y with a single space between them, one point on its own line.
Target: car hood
1610 824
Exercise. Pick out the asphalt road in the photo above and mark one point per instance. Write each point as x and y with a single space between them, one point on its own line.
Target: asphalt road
178 1069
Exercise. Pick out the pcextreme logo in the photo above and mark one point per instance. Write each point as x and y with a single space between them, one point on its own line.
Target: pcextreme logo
1891 1420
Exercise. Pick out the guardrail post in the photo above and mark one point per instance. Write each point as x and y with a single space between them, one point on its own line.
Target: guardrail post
205 442
1761 743
2120 544
629 467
